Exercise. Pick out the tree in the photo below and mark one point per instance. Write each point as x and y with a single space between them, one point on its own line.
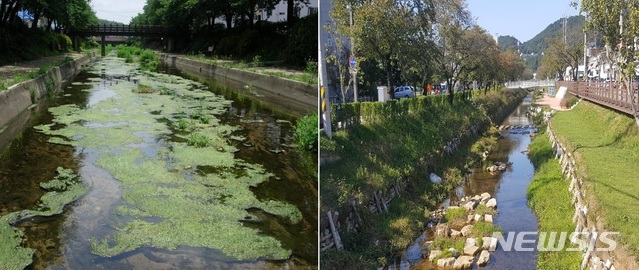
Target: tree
338 58
452 21
618 21
561 55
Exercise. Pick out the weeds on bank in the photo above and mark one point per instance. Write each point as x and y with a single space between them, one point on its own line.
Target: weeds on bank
606 146
549 198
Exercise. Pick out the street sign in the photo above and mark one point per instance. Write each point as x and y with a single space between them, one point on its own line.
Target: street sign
352 61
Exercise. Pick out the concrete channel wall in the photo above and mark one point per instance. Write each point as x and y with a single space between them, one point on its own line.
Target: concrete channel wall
291 95
19 97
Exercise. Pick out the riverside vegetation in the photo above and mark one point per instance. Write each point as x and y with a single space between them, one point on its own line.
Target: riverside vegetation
402 139
605 145
549 198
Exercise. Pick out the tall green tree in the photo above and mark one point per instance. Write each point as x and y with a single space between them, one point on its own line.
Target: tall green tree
559 55
382 30
618 21
452 21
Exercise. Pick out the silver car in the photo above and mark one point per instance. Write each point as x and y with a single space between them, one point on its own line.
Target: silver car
404 92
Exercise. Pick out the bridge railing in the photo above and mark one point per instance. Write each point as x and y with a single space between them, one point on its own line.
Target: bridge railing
609 94
530 83
122 29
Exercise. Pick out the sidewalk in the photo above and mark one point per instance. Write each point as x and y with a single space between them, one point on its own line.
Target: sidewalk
7 72
552 102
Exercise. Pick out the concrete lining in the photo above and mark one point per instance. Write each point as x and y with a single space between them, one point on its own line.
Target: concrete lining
19 97
287 94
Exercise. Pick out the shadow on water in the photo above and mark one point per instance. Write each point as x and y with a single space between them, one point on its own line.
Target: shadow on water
63 241
509 188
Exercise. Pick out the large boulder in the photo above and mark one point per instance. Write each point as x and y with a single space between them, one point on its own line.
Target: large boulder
478 217
435 179
489 243
454 252
446 262
467 230
484 258
433 254
492 203
471 250
488 218
442 230
485 196
471 205
464 262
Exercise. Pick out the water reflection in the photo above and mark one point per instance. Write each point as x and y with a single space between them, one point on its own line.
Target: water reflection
508 187
63 242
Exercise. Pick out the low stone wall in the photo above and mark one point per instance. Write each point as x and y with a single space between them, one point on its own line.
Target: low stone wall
288 94
588 225
19 97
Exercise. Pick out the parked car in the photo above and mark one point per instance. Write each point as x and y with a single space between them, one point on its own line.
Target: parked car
404 92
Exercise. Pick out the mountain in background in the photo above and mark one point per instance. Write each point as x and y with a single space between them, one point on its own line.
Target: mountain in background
532 49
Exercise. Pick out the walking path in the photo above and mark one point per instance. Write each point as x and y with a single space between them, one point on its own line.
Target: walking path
7 72
552 102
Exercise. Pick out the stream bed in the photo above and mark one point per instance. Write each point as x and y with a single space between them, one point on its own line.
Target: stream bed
180 175
508 187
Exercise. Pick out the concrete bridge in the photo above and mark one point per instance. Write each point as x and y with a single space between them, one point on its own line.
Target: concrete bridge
122 30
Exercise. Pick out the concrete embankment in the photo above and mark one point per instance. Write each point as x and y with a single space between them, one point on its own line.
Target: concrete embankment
291 96
19 97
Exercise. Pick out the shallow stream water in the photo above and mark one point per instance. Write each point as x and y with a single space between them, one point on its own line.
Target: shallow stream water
98 123
509 188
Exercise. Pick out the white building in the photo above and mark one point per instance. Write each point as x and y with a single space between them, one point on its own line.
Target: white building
279 13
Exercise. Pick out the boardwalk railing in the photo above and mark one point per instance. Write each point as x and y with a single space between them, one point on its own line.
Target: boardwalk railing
121 30
530 83
609 94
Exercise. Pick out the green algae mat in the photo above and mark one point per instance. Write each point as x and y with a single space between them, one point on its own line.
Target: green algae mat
162 137
62 190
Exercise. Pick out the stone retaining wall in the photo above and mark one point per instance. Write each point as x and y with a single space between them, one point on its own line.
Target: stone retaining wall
19 97
289 94
588 225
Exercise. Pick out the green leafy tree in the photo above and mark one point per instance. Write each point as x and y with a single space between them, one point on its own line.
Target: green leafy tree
453 19
618 21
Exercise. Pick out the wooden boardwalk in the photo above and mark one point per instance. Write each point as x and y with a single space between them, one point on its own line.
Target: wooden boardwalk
120 30
608 94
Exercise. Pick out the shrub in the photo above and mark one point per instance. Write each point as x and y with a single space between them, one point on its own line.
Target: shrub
148 60
143 89
199 140
306 132
568 101
482 229
453 215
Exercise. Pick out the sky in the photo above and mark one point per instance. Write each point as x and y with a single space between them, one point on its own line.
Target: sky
117 10
522 19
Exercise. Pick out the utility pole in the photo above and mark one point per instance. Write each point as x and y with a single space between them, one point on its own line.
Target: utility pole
585 55
354 70
325 105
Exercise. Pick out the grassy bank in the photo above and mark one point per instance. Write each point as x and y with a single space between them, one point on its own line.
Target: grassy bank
606 147
550 199
401 139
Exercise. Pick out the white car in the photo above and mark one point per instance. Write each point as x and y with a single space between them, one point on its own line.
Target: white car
404 92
